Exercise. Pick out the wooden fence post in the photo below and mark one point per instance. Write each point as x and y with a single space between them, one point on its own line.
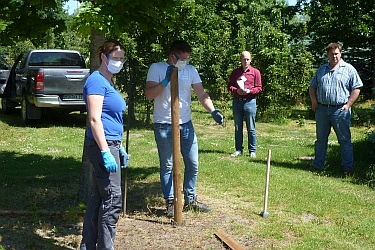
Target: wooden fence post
177 183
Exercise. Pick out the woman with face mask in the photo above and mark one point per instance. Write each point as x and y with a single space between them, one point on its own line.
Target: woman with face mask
105 107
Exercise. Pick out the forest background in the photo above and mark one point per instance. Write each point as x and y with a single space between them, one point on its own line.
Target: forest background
287 42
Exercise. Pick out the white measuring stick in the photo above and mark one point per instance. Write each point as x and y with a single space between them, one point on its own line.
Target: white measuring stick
265 213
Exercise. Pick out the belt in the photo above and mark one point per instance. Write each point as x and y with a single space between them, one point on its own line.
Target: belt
242 99
332 105
115 143
109 142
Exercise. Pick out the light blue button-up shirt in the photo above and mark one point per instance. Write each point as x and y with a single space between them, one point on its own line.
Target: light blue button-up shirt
333 87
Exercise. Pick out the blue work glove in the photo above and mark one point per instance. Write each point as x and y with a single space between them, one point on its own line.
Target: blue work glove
168 73
109 161
218 117
124 158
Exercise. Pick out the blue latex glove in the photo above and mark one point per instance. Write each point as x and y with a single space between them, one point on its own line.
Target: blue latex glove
168 73
124 158
109 161
218 117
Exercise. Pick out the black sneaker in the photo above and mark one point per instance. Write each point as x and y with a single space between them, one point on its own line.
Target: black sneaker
170 208
197 206
312 168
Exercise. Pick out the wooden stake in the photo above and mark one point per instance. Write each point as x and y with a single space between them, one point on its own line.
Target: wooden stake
177 183
265 213
229 241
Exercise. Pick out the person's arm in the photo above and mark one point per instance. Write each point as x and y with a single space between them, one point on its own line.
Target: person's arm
231 84
206 102
153 89
203 97
95 105
352 98
314 101
257 83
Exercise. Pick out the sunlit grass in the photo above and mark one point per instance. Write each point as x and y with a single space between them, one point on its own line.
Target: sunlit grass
41 165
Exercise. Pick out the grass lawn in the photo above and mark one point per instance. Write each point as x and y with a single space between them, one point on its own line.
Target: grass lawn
41 165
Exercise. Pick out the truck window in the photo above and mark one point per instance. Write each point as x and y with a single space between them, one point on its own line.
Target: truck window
55 59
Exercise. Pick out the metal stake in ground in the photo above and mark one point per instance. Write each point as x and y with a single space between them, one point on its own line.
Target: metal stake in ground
130 100
177 183
265 213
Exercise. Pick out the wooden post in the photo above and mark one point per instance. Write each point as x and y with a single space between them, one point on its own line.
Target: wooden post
229 241
265 213
177 183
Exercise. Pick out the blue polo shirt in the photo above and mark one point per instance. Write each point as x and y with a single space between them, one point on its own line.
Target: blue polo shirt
334 87
113 105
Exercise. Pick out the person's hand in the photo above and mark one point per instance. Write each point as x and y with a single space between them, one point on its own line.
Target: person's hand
109 161
241 92
314 105
218 117
124 158
167 75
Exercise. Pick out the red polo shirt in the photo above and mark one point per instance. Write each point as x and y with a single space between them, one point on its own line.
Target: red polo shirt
253 82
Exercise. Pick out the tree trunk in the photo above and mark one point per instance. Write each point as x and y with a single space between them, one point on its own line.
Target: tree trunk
373 75
85 186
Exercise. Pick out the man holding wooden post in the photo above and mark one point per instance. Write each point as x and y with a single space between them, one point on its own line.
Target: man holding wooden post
158 88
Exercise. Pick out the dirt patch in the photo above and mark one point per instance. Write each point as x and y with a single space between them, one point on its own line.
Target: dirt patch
142 230
159 232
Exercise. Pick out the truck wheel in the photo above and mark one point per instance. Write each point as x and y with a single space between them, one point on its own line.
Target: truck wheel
25 106
7 109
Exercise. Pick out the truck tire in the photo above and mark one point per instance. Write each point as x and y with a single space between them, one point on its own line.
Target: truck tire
25 110
6 107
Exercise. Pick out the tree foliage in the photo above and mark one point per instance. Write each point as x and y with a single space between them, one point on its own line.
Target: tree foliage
284 41
33 20
349 22
218 32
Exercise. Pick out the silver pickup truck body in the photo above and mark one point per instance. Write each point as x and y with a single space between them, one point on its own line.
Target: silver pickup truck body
46 79
4 73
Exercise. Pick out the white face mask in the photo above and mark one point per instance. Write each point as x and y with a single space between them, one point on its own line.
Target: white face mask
181 64
114 66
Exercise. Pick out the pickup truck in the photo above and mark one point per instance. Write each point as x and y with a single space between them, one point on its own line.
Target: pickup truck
44 80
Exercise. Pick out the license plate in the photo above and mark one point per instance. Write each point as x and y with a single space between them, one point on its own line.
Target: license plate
73 97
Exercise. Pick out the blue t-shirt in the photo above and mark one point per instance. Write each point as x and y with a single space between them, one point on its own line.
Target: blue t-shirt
113 105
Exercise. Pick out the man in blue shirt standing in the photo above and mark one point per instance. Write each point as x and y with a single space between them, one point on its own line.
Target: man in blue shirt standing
333 90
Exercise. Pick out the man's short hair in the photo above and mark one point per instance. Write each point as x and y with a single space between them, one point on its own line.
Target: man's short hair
333 46
179 46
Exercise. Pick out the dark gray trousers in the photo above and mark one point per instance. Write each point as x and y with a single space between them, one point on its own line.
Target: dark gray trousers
104 207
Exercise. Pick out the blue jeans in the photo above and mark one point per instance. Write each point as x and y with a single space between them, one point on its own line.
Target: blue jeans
245 109
104 208
327 117
189 151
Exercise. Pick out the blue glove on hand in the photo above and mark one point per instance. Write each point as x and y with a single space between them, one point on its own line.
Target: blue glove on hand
109 161
124 158
167 75
218 117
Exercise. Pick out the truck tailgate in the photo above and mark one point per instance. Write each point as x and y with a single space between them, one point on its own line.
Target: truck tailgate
59 81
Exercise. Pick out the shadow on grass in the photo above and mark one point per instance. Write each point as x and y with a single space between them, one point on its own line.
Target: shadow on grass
37 192
364 163
50 119
144 195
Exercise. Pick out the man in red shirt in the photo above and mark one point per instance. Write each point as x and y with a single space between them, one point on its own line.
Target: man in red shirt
245 84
